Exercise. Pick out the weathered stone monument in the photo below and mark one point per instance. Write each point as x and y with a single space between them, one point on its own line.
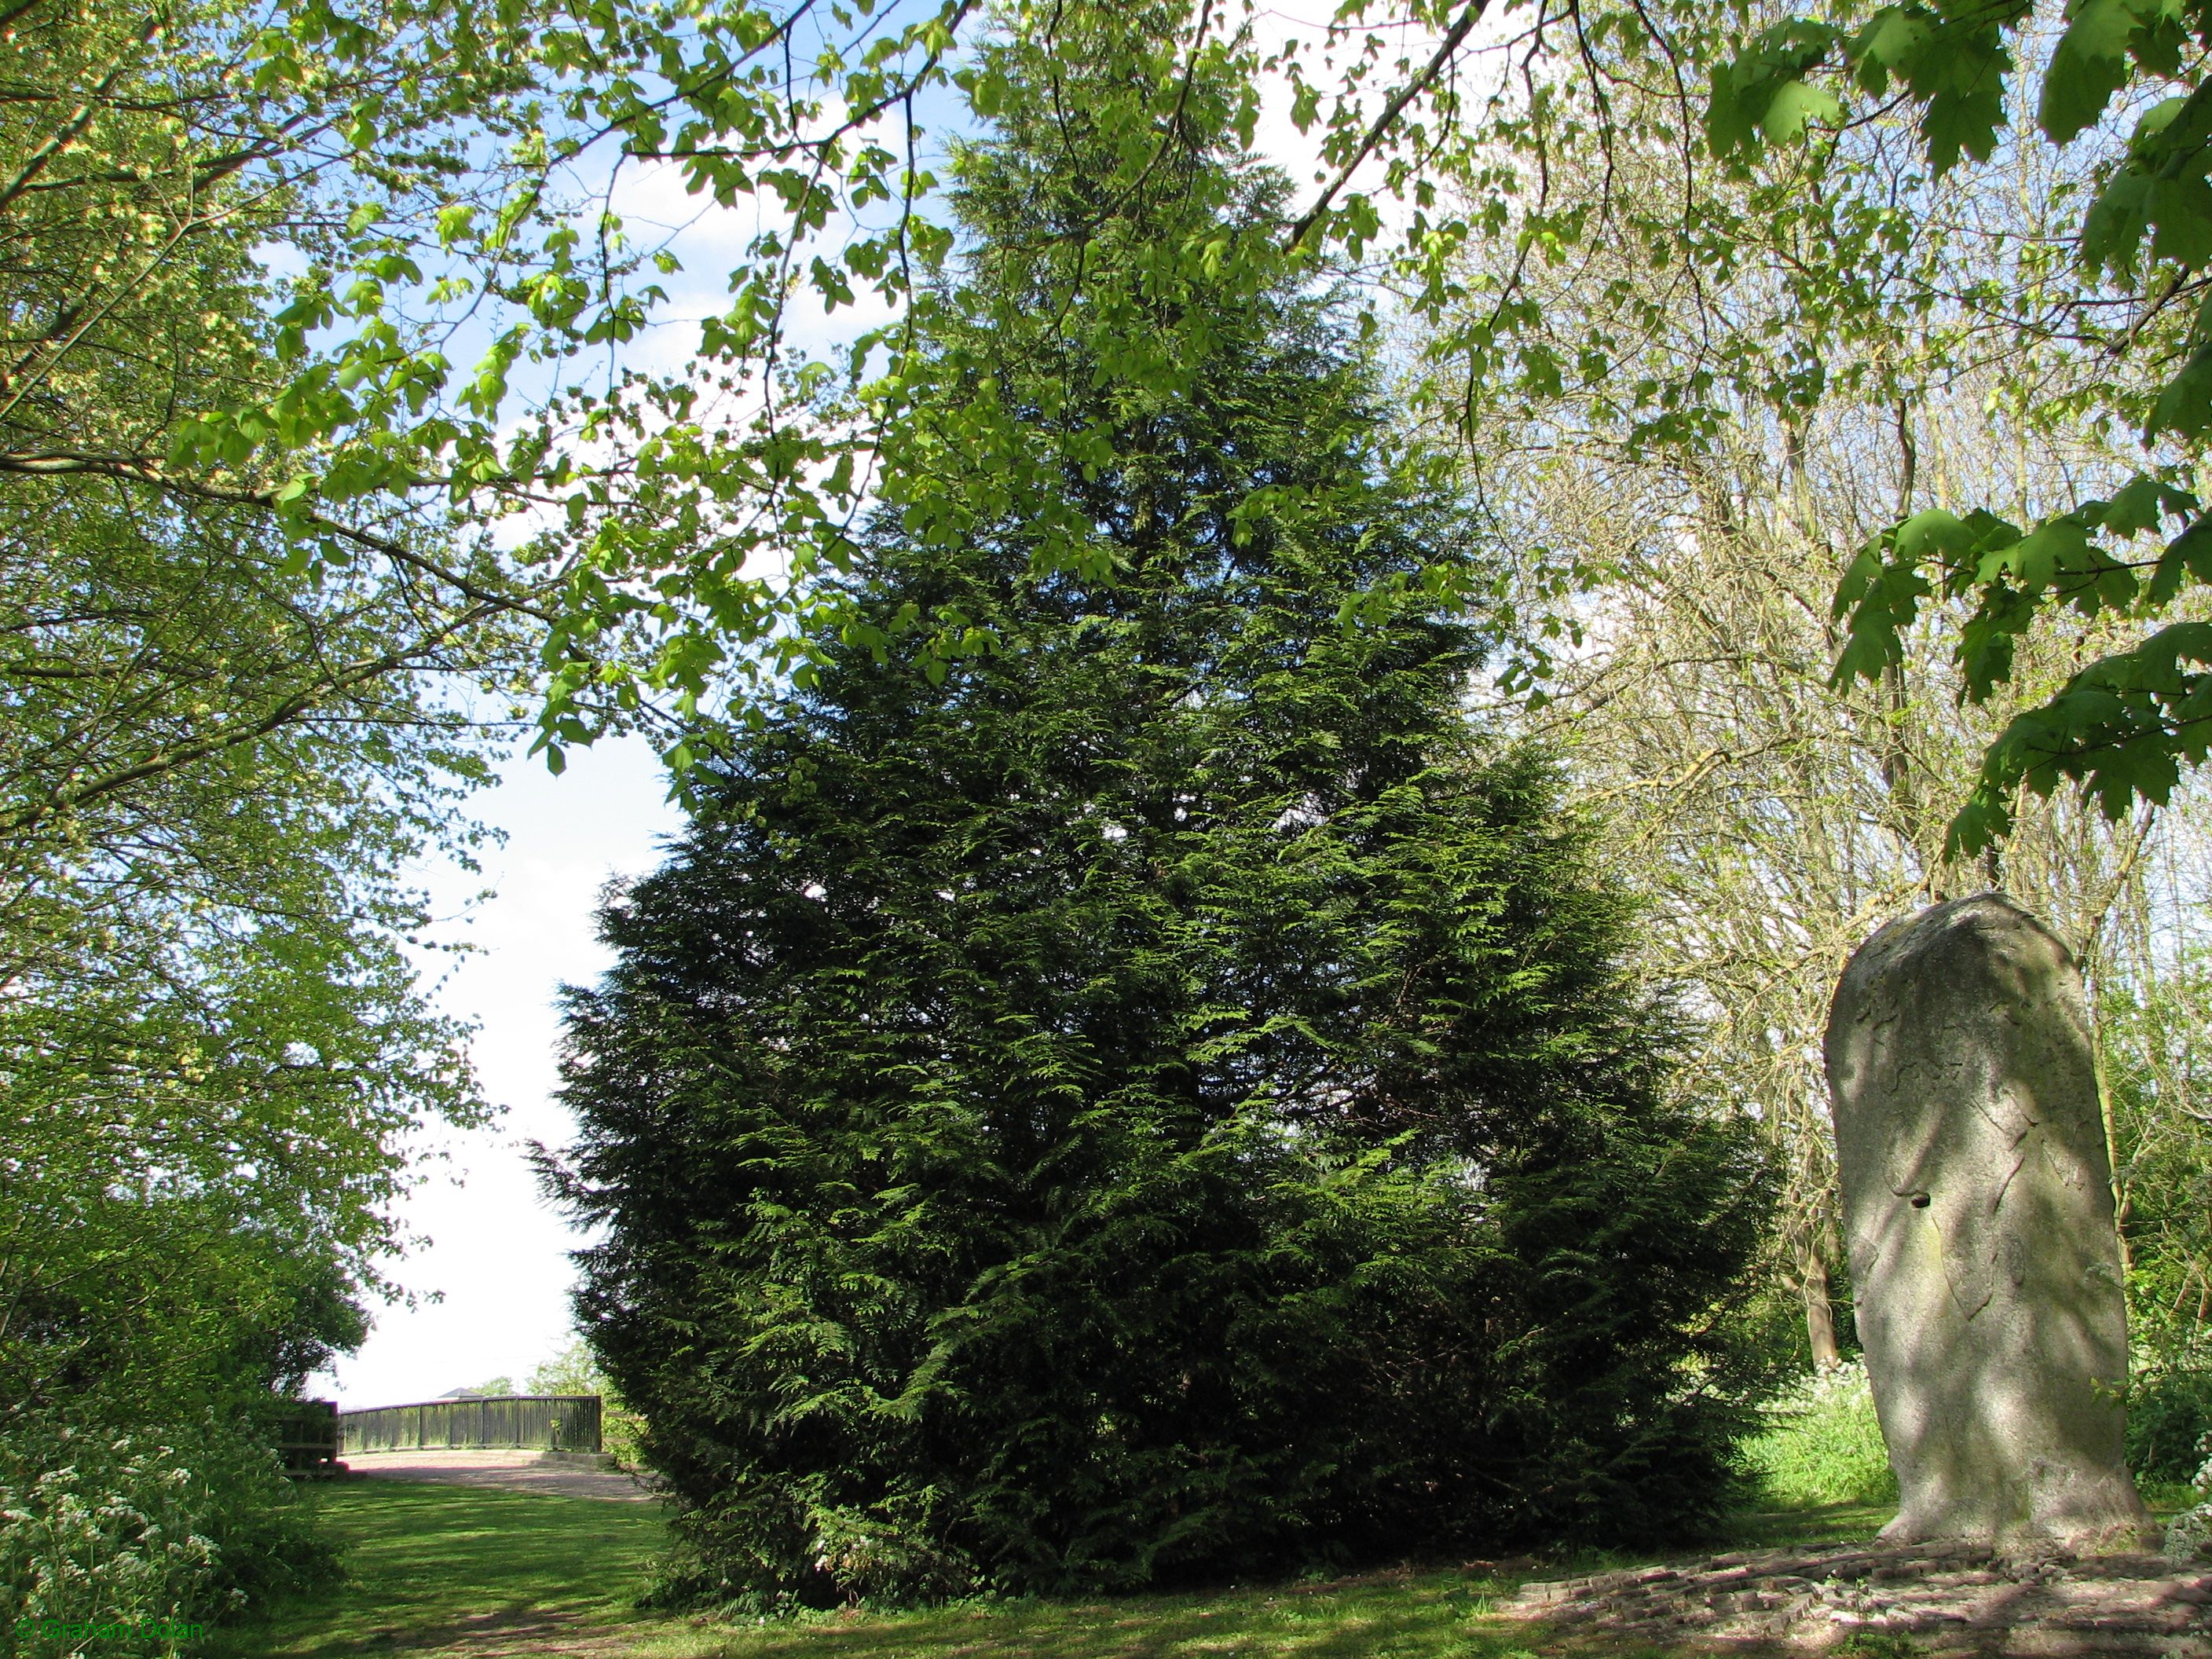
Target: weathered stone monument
1977 1204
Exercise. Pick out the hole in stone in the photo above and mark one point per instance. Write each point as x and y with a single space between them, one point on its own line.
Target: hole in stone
1920 1200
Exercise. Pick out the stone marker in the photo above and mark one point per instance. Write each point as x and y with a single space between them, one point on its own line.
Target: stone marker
1978 1206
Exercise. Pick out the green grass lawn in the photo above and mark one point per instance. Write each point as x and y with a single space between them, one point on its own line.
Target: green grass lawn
459 1572
1411 1615
432 1568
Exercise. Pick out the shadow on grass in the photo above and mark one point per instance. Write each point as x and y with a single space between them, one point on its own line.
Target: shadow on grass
459 1569
1404 1614
1827 1524
1438 1615
475 1574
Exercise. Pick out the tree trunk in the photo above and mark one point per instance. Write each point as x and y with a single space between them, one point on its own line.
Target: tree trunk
1820 1310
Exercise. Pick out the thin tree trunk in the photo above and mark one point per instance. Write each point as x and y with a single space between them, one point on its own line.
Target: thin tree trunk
2121 1196
1820 1308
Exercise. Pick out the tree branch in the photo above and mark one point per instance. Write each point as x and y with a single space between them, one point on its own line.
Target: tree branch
134 470
1382 123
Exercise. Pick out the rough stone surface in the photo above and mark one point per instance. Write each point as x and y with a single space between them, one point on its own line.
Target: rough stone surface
1978 1210
1946 1598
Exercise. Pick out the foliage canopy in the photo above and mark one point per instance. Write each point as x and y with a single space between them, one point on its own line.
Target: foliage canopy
463 394
1855 125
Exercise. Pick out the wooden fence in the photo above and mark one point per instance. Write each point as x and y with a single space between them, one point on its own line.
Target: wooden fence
308 1436
553 1422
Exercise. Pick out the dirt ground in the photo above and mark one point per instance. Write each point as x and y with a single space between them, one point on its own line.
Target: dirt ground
518 1471
1932 1599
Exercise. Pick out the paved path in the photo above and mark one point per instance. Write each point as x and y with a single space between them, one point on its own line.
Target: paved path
516 1471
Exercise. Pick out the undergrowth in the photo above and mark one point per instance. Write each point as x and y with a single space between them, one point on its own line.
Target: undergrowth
1822 1444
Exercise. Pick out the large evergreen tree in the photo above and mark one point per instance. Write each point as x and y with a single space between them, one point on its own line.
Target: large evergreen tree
1159 1099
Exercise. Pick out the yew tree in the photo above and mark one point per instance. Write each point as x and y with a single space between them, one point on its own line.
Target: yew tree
1152 1094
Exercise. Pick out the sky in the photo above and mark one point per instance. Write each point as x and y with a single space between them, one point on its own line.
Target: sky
497 1253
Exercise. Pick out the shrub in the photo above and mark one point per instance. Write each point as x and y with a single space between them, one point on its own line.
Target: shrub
2169 1414
2190 1530
108 1526
574 1371
1822 1444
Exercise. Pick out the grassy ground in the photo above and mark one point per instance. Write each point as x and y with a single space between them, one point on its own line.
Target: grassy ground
488 1575
1431 1615
459 1570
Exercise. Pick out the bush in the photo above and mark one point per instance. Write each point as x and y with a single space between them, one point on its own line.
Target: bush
574 1371
1337 1373
138 1527
1823 1444
2169 1414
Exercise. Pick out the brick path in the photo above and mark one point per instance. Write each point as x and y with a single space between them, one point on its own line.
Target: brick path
1940 1599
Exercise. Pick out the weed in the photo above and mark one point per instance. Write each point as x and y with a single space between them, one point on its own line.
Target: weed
1878 1645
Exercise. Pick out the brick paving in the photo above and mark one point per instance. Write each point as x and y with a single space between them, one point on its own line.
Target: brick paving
1937 1598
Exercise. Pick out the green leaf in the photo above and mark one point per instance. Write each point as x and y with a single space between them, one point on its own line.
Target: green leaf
2061 545
1953 63
1880 596
1889 46
2188 557
2141 504
2114 229
2181 209
2089 65
1762 91
2184 406
1796 105
1986 642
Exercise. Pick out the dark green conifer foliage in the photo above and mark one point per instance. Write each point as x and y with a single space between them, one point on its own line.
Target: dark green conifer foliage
1159 1099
